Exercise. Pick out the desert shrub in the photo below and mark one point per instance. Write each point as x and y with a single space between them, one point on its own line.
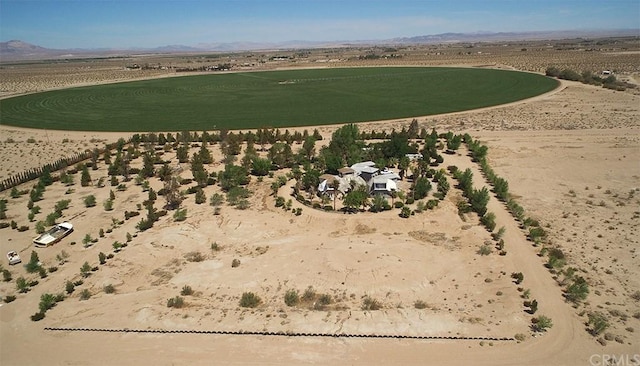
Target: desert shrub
180 214
85 269
431 204
69 287
405 212
87 240
194 257
23 228
22 285
520 337
109 289
419 304
130 214
249 300
6 275
369 303
235 263
9 298
499 234
541 323
598 323
175 302
186 290
51 218
85 294
518 276
108 205
309 294
47 301
291 297
116 246
37 316
40 228
484 250
102 258
489 221
324 299
578 290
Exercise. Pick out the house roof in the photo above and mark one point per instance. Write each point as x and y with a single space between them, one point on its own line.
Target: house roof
328 177
364 164
369 170
381 182
346 170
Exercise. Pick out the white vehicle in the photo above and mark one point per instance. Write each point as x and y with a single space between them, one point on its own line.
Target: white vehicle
54 235
13 257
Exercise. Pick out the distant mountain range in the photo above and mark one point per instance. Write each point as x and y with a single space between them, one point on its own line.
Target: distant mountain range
19 50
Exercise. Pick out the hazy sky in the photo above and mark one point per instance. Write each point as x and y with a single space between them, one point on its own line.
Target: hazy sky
152 23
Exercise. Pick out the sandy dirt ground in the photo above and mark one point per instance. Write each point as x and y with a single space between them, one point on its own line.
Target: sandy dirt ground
571 159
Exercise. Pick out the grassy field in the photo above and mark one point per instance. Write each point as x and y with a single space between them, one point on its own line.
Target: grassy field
270 99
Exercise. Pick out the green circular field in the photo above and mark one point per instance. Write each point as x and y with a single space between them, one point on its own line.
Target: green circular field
271 99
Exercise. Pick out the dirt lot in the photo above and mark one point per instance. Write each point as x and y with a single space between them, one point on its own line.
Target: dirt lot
571 159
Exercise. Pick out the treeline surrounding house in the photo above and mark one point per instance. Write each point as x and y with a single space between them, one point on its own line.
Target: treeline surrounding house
607 80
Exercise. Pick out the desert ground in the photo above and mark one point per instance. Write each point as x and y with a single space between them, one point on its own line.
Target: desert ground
571 160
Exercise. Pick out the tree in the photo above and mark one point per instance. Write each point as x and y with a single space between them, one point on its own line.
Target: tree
148 169
34 263
200 175
260 166
308 147
311 180
216 199
465 181
453 143
182 153
201 197
85 270
281 155
22 285
47 301
358 197
501 189
205 154
403 164
478 201
85 177
379 203
172 193
233 176
421 188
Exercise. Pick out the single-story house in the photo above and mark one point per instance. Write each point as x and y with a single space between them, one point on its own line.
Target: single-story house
382 185
345 171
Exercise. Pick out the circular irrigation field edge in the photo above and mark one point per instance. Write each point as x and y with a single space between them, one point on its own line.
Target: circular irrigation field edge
241 100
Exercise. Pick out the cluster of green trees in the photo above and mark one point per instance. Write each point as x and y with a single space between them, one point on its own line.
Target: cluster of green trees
588 77
477 199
